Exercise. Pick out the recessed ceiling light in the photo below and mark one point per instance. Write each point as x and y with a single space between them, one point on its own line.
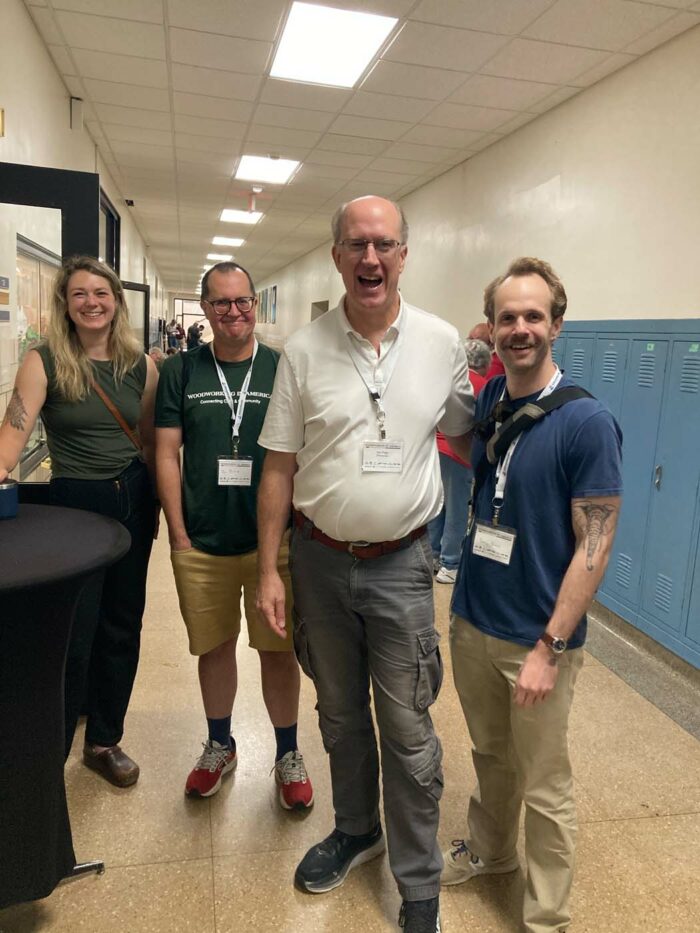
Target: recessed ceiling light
263 168
240 217
321 45
228 241
220 257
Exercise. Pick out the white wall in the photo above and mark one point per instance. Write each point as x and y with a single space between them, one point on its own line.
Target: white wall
606 187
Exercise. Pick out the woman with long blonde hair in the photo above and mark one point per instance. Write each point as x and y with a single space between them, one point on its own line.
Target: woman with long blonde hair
102 460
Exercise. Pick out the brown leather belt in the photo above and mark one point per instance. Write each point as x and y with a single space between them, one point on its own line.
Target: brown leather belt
364 550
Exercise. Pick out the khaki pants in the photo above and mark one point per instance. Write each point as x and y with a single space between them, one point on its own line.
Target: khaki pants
520 756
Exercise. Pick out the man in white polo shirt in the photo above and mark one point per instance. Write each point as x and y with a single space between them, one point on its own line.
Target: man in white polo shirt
350 438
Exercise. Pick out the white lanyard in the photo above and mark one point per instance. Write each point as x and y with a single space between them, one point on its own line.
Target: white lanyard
504 462
236 410
383 371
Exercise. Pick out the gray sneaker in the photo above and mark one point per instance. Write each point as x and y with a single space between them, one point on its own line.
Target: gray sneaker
461 864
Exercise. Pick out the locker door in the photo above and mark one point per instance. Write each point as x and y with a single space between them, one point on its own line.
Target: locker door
558 348
675 479
578 360
692 629
639 417
609 366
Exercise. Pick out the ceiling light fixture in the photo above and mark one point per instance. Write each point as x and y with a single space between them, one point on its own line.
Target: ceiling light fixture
322 45
220 257
240 217
228 241
275 171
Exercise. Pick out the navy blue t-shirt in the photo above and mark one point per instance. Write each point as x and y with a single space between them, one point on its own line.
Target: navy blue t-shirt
574 452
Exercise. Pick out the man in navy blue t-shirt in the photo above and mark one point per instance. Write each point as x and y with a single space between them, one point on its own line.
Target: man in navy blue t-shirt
537 547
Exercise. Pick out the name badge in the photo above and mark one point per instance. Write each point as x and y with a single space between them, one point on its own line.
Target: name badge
236 471
382 457
494 543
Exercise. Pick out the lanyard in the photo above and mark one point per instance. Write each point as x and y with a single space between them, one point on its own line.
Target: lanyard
236 410
382 373
504 463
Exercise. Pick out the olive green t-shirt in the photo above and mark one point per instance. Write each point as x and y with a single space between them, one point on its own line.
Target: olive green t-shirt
218 519
84 439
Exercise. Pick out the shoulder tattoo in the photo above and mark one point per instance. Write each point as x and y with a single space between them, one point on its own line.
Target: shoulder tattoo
596 525
16 414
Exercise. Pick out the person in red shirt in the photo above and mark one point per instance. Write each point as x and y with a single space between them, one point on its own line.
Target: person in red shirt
447 529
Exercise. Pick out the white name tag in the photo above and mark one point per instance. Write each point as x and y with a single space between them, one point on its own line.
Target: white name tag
382 457
235 472
494 543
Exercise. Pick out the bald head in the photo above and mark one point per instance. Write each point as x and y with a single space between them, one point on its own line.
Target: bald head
369 201
480 332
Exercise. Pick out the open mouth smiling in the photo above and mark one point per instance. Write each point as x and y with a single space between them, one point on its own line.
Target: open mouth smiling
370 281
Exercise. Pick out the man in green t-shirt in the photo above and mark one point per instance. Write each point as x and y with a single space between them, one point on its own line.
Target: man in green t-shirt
212 403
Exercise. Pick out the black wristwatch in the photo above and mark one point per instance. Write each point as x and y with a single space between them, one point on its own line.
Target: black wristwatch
556 645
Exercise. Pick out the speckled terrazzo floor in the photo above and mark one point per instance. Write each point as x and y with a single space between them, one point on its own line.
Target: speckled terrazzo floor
226 864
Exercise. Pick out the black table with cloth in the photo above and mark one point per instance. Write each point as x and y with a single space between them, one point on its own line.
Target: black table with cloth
46 555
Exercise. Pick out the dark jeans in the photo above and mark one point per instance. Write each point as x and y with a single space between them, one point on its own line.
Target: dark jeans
103 651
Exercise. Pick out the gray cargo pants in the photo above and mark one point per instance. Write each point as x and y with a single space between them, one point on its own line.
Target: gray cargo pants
361 621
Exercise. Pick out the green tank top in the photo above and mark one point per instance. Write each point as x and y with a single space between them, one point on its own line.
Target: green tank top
84 439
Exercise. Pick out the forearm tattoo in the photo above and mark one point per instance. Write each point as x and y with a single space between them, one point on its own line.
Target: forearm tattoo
597 524
16 414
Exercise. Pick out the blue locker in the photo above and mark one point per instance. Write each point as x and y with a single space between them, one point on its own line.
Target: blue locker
674 487
609 367
692 628
578 359
640 410
558 349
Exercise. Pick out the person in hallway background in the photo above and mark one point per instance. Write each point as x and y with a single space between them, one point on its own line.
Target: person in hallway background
350 440
171 331
194 335
481 332
212 403
447 529
544 516
99 465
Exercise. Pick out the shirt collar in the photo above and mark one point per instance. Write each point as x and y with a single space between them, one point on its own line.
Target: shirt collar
392 331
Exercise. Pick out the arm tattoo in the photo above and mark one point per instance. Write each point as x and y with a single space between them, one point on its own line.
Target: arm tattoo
16 413
597 519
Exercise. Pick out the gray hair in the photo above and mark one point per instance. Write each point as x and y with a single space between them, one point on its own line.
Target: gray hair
337 220
478 355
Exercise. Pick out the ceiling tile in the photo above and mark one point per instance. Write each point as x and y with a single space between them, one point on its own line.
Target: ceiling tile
128 69
468 118
218 108
404 150
388 107
488 139
542 61
106 34
313 170
441 136
215 83
219 162
412 81
130 116
555 98
292 117
247 18
611 64
487 91
307 96
137 133
597 24
458 49
208 143
227 129
281 136
678 4
145 11
510 126
62 59
46 24
394 179
507 17
669 30
404 166
125 95
373 129
341 159
196 48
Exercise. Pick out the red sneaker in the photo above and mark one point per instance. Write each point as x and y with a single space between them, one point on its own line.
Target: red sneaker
215 761
295 790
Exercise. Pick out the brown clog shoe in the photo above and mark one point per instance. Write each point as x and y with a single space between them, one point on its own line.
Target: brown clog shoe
113 764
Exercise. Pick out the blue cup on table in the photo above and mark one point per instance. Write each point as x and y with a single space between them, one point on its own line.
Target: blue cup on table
9 498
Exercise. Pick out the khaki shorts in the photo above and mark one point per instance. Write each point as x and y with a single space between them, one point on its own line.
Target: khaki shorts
209 589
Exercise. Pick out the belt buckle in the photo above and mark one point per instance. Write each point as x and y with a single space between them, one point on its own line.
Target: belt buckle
354 544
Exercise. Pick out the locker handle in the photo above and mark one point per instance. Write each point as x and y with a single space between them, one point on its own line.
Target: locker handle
658 473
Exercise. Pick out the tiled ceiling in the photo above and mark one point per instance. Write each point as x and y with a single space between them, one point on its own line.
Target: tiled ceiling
176 91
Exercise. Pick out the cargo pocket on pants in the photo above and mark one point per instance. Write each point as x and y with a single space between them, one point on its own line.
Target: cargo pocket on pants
428 770
301 645
430 669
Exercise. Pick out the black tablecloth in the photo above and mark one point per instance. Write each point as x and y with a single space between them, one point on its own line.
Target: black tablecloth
46 555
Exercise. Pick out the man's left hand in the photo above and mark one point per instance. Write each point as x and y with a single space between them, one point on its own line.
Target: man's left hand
537 676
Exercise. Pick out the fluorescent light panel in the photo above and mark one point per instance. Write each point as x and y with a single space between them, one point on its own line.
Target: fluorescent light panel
322 45
228 241
220 257
240 217
262 168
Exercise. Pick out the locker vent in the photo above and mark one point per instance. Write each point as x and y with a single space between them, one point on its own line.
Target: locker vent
664 592
609 365
577 361
647 365
624 570
690 374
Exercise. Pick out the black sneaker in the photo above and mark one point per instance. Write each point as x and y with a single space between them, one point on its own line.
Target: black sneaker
420 916
326 864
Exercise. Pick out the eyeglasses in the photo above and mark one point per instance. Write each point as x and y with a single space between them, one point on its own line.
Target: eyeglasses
380 246
223 305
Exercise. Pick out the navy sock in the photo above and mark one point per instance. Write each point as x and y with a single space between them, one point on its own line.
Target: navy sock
286 737
220 731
